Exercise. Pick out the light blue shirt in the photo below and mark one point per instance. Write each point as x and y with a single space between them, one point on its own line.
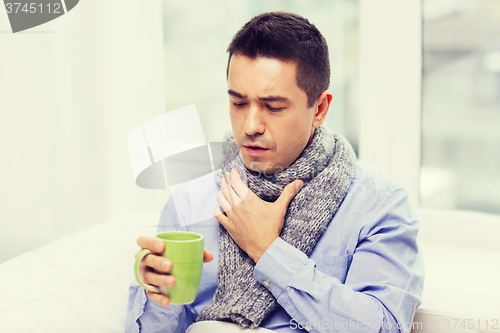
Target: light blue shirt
365 274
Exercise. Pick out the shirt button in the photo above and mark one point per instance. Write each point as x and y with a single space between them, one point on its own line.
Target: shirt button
266 283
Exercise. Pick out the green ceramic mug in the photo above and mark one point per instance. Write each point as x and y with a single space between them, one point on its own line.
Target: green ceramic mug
185 250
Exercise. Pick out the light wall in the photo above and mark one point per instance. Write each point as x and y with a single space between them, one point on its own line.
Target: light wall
71 91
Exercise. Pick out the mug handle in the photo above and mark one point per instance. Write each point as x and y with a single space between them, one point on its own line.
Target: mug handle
140 272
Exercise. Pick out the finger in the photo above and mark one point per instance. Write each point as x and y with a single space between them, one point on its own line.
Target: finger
159 280
220 215
157 262
237 184
158 298
207 255
289 192
230 194
151 243
219 211
224 220
221 199
223 190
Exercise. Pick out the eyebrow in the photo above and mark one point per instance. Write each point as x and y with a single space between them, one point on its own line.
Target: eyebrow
274 99
265 99
235 94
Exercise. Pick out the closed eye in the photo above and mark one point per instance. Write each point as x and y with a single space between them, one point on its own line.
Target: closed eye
239 105
270 108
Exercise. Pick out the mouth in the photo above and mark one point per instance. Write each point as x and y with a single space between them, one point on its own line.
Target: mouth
254 147
255 150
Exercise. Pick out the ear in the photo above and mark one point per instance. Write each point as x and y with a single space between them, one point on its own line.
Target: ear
321 108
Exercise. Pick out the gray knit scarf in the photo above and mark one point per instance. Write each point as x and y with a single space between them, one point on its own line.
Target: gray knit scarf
327 167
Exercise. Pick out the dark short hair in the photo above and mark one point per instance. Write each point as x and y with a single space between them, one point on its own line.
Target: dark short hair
287 37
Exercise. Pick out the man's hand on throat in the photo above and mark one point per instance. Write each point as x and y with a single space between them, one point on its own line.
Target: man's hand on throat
252 223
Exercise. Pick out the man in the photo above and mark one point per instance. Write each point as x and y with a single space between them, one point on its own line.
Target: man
303 239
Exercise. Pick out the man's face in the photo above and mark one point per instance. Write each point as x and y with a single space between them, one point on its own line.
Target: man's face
271 121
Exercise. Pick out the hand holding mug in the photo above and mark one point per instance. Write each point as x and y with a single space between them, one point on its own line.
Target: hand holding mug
153 269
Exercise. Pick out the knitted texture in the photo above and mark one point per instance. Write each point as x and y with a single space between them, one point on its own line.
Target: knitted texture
326 167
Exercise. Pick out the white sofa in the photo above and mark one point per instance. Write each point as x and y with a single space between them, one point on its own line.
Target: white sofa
80 282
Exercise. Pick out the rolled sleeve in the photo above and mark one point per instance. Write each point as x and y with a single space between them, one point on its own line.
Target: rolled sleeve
144 315
135 309
169 319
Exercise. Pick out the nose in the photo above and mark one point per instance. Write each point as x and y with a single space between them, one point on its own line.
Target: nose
254 123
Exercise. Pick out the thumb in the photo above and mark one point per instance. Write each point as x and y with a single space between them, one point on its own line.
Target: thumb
289 192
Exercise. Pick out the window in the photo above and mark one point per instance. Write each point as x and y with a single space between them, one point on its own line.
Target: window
461 105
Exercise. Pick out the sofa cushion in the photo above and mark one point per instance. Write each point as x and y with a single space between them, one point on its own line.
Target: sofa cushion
78 283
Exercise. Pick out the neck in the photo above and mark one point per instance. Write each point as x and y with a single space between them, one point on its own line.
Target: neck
310 137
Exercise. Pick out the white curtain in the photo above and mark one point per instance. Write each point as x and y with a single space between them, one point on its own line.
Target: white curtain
71 91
